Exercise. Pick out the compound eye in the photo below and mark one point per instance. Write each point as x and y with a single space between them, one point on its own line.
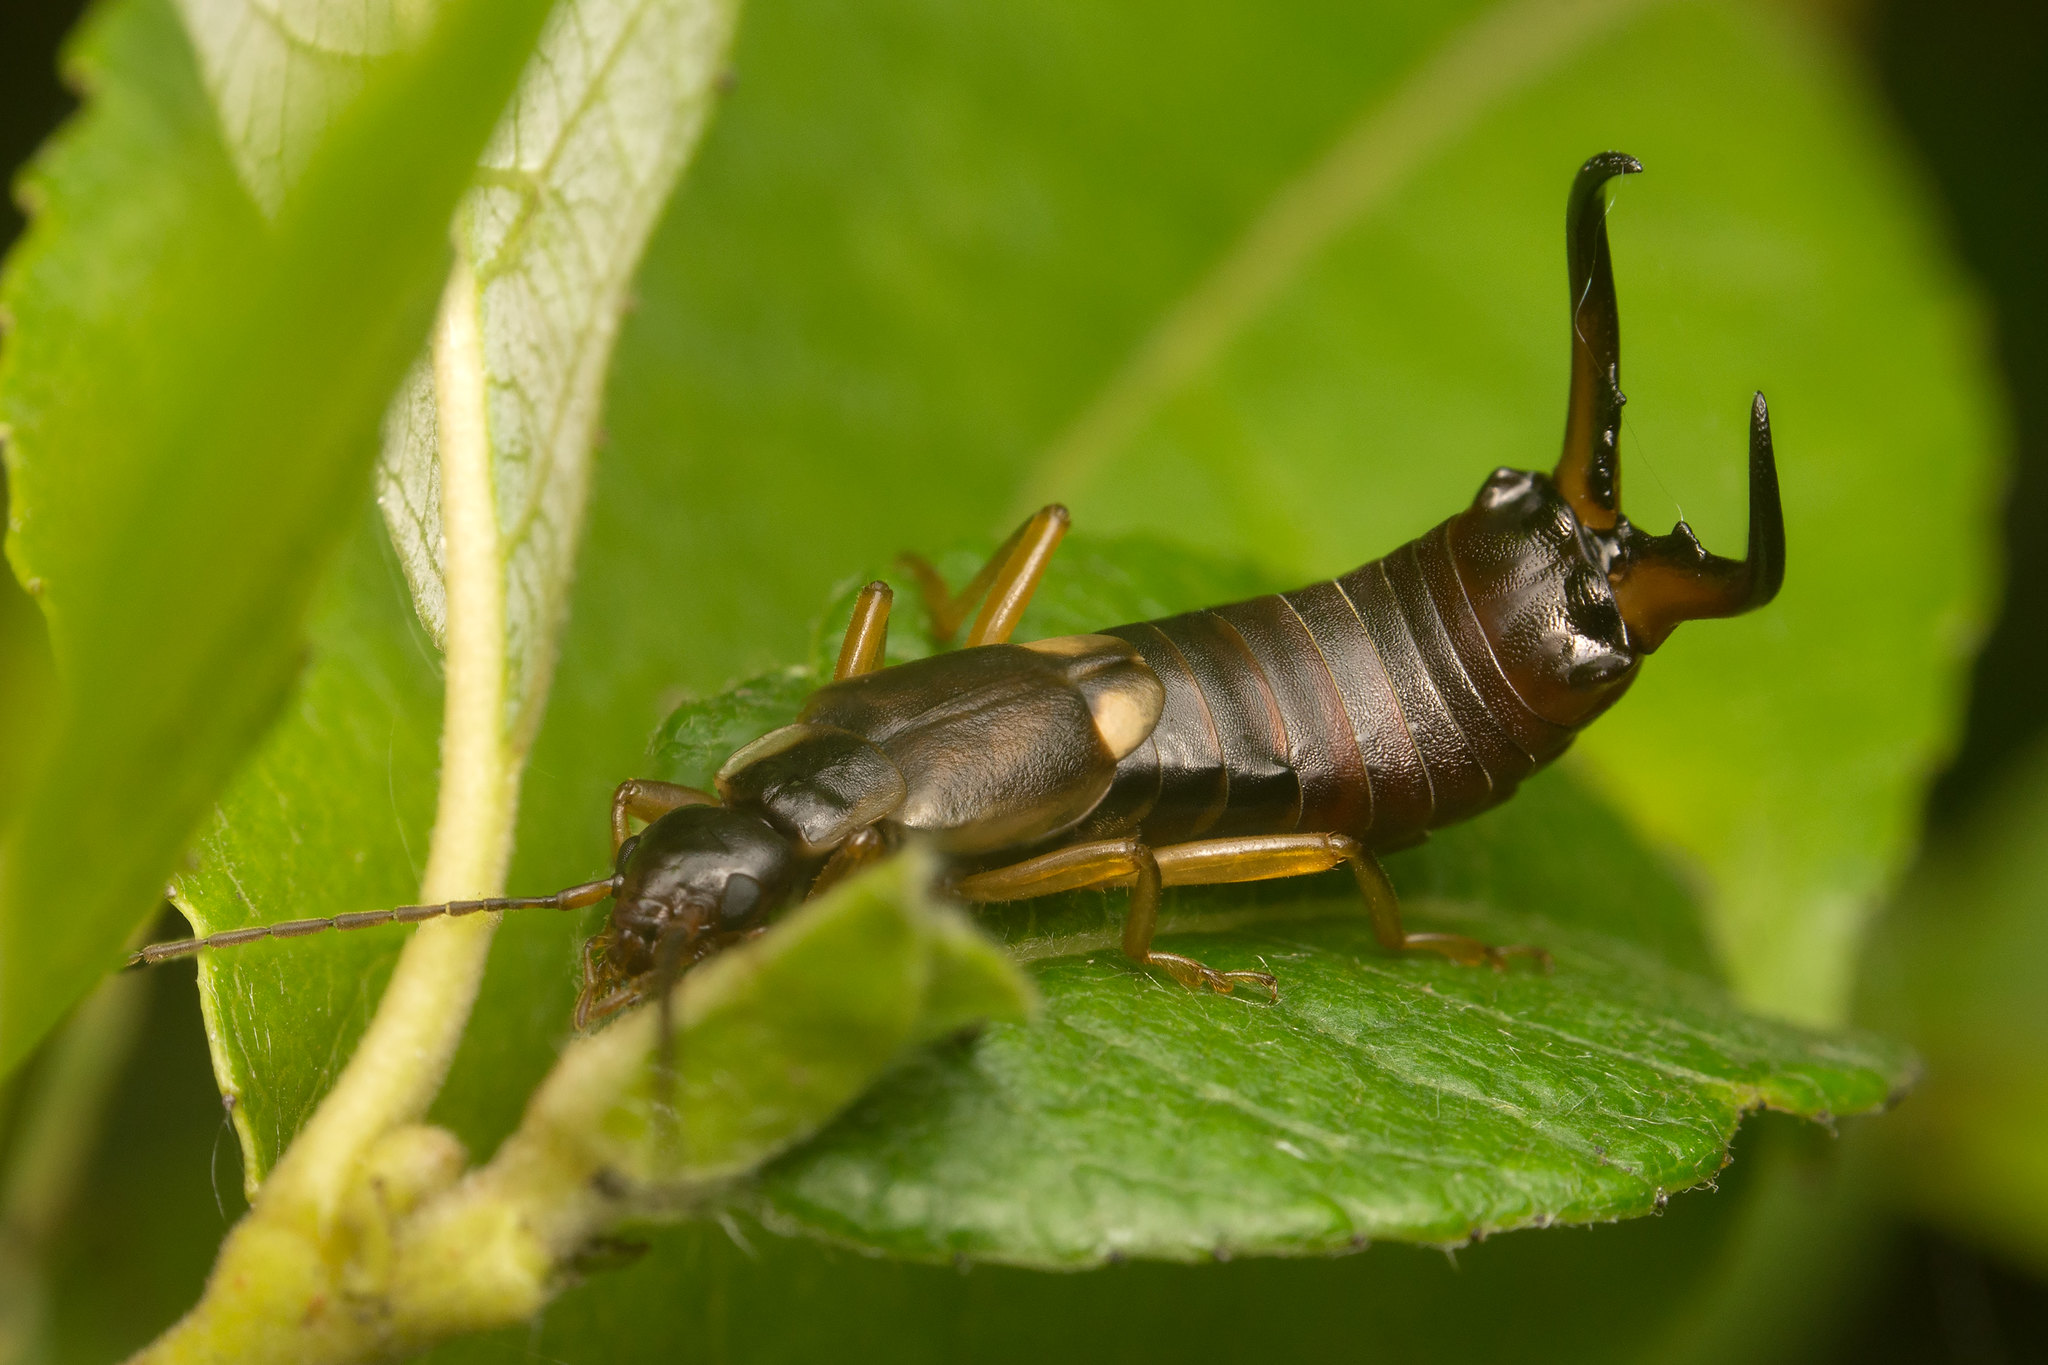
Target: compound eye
741 898
626 853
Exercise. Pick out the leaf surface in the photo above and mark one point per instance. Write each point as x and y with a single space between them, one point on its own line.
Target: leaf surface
345 782
191 392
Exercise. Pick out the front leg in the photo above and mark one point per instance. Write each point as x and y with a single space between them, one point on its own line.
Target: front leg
647 801
1103 863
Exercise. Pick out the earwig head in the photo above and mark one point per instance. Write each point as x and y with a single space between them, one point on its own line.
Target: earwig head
690 881
1571 596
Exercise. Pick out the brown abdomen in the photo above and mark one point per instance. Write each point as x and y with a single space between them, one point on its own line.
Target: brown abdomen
1370 705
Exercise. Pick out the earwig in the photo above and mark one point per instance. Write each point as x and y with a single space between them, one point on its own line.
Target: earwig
1289 734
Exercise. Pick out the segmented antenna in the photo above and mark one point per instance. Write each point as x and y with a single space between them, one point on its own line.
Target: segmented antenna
570 898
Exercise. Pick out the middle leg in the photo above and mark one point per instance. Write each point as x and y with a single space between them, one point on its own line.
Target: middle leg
647 801
1104 863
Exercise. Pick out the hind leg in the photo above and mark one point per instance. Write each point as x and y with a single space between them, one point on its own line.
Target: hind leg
1256 858
647 801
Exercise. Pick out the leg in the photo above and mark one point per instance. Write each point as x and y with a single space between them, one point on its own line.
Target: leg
849 858
1257 858
867 634
601 996
1008 580
648 801
1107 862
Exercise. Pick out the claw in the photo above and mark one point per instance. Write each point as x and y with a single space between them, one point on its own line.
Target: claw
1660 581
1266 981
1497 956
1470 952
1195 975
1589 472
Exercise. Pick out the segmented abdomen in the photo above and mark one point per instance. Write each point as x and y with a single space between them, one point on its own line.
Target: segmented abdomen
1370 705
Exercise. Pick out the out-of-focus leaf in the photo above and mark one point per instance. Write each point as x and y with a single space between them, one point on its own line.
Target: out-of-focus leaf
280 71
158 1194
191 395
774 1039
1958 969
567 194
25 684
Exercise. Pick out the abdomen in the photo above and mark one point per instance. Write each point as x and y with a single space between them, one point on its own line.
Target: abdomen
1369 705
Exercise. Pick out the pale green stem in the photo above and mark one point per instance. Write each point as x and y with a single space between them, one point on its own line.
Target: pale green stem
274 1292
398 1067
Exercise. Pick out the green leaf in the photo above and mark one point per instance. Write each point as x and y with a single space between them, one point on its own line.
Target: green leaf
191 395
774 1039
613 102
1376 1102
280 73
334 809
1957 969
1693 1287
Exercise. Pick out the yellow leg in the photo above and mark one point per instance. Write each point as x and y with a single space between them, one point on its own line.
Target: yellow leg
1255 858
1004 585
1109 862
850 857
646 801
1209 862
867 634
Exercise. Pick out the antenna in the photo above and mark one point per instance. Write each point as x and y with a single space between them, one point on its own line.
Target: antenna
570 898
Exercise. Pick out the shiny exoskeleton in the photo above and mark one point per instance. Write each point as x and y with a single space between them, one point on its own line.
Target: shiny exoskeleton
1279 736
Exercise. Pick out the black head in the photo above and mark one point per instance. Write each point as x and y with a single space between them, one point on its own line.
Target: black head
693 879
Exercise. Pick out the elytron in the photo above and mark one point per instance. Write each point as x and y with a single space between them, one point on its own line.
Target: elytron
1276 737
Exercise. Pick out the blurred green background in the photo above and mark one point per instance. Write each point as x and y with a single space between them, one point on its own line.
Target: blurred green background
1802 1256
